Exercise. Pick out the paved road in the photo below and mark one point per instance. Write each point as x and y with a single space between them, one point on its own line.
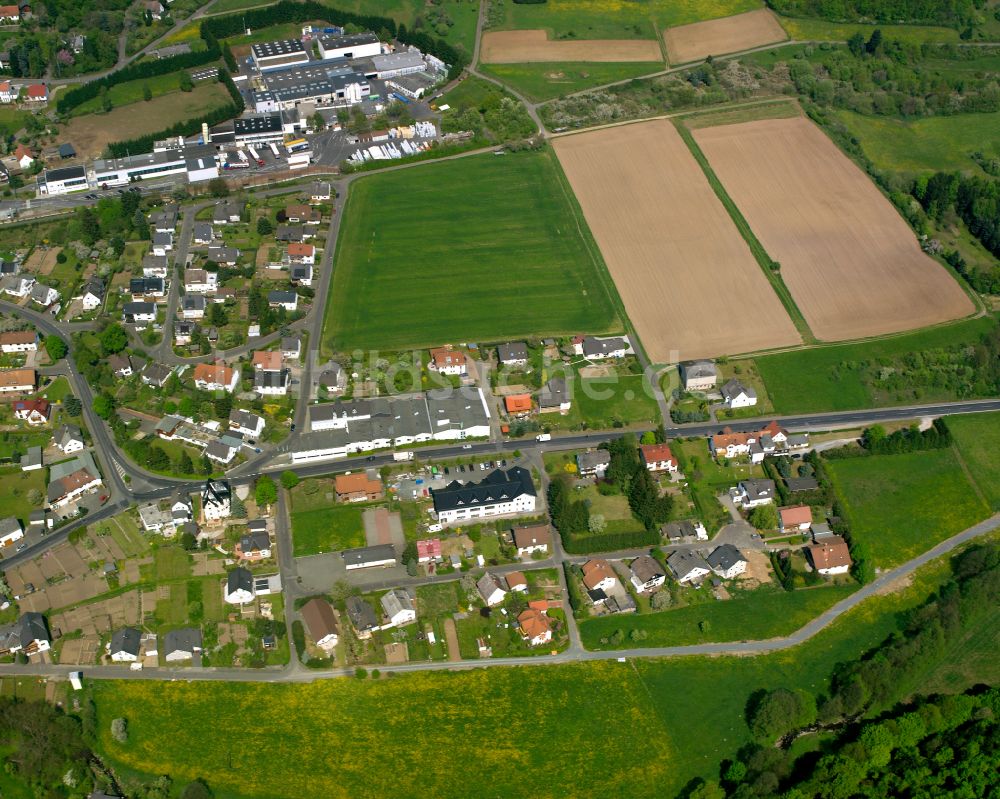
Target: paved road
574 654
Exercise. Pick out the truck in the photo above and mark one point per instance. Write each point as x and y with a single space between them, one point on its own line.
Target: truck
274 148
403 456
543 437
253 154
243 156
296 145
401 97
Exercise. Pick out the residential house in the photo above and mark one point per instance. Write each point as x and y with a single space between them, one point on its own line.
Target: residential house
300 274
200 281
121 365
528 540
699 375
646 574
555 396
290 233
517 404
491 590
33 411
29 634
754 493
369 557
10 15
70 480
291 347
155 374
154 7
255 545
44 295
36 93
184 331
10 531
428 549
271 384
8 91
736 395
203 233
830 555
288 300
498 494
320 622
164 220
357 487
800 485
24 157
658 457
447 361
598 575
687 567
221 451
398 607
534 626
215 377
126 644
142 287
245 423
193 307
68 439
797 518
215 500
686 530
182 644
593 463
92 294
333 379
727 561
239 587
514 353
32 459
155 266
362 617
300 213
820 530
162 243
155 519
224 256
267 360
227 212
18 285
135 313
301 254
17 381
19 341
516 581
601 348
769 440
320 191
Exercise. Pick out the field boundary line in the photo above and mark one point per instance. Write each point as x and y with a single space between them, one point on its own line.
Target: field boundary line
761 255
971 478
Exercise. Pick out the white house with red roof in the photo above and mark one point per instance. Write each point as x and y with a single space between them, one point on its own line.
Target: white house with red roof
658 457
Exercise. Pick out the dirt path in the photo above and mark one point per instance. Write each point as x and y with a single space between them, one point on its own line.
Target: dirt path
451 637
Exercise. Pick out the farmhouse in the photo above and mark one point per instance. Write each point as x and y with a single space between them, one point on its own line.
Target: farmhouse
796 518
491 590
646 574
320 622
498 494
687 566
830 555
362 616
528 540
397 605
658 457
727 561
698 375
369 557
593 463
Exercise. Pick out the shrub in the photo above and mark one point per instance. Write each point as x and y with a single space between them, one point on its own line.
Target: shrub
119 730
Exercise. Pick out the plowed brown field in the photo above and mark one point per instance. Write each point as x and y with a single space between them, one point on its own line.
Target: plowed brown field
689 282
720 36
516 47
852 265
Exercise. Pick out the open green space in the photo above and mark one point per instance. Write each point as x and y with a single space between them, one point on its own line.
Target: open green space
543 81
941 143
902 505
327 529
12 120
613 401
977 437
612 19
682 715
818 30
841 377
170 563
220 6
749 615
416 268
132 92
18 485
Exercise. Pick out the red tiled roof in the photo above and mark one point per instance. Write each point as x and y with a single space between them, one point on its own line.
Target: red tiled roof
517 403
655 453
796 515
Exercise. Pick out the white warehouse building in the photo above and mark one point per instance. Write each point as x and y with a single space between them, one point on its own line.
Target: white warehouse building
62 181
351 45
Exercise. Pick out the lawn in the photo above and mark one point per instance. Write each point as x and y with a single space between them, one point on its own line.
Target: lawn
57 391
902 505
539 82
12 120
170 563
327 529
17 486
933 144
555 720
132 92
835 377
977 437
514 257
603 401
818 30
611 19
750 615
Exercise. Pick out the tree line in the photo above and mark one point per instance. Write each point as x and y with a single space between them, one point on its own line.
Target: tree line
875 441
941 12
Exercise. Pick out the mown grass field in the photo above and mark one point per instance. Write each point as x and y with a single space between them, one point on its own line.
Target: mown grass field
764 613
17 485
327 529
902 505
481 248
614 19
926 145
679 718
544 81
826 378
12 120
977 437
132 92
818 30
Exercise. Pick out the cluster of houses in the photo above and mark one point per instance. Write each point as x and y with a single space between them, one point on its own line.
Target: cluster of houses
703 376
770 440
533 624
27 93
25 288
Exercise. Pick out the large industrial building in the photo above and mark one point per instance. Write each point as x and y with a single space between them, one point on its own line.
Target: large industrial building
279 55
351 45
319 83
62 181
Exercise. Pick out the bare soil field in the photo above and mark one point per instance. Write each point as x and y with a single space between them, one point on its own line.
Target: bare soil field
518 47
720 36
852 264
91 133
687 278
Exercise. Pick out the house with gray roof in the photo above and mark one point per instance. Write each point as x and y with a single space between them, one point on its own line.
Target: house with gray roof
593 463
687 566
125 645
491 590
514 353
239 586
727 561
646 574
601 348
182 644
362 616
397 605
699 375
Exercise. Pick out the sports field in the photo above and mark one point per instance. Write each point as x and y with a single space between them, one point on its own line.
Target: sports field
720 36
513 47
902 505
480 248
852 264
672 249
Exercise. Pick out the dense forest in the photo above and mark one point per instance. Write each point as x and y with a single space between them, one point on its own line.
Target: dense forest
940 12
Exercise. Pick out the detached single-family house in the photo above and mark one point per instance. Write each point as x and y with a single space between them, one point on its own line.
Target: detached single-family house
10 15
267 360
245 423
534 626
154 266
227 212
301 253
203 233
43 295
301 274
514 353
19 341
736 395
17 381
398 607
362 617
291 347
154 7
224 256
141 287
162 243
271 384
554 396
125 646
181 644
516 581
18 285
598 575
593 463
68 439
646 574
215 377
256 544
727 561
830 555
447 361
239 587
33 411
515 404
687 566
193 307
24 157
320 622
215 500
490 590
797 518
320 192
699 375
288 300
121 365
754 492
601 348
29 634
184 331
155 374
139 312
71 479
428 549
357 487
301 213
10 531
200 281
685 530
658 457
32 459
92 294
528 540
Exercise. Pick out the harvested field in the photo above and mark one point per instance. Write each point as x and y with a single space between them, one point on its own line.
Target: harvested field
672 250
519 47
851 263
720 36
90 134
